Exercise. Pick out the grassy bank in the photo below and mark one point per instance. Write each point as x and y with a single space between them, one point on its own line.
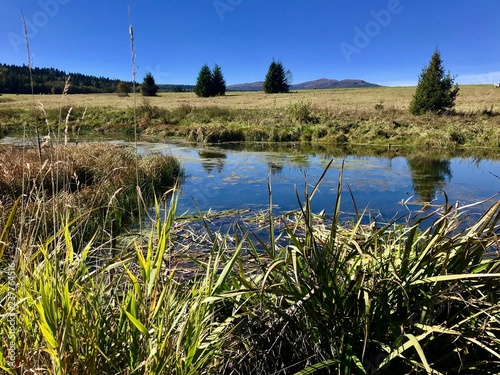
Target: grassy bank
93 184
376 116
335 298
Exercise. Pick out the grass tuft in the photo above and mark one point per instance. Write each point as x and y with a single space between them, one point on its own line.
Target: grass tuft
315 296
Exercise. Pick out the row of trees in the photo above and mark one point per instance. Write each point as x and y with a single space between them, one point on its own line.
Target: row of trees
210 83
436 90
15 79
213 83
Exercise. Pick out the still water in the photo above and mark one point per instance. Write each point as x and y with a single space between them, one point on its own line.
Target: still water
389 185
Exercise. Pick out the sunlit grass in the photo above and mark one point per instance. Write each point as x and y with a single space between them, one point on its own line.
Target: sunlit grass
314 295
92 183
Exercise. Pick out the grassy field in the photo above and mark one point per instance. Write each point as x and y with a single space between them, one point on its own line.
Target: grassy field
376 116
472 98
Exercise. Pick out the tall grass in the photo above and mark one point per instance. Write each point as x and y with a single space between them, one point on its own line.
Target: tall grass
335 298
359 300
356 116
91 180
104 315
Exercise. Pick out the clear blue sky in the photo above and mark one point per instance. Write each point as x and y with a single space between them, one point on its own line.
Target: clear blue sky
381 41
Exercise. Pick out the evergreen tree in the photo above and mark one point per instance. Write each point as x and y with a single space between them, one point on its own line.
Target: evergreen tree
203 86
276 79
436 92
218 81
149 87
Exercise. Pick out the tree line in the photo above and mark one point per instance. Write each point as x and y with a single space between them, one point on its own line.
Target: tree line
15 79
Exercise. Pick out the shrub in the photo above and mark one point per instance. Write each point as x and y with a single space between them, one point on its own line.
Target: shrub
123 88
302 112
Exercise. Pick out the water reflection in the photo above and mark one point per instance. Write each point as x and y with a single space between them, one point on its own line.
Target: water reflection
212 158
275 166
429 175
390 184
235 176
277 161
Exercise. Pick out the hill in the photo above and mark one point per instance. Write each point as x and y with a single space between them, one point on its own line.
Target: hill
322 83
325 83
253 86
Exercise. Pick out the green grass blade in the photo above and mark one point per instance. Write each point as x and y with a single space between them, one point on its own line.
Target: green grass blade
402 348
318 366
4 239
442 278
137 323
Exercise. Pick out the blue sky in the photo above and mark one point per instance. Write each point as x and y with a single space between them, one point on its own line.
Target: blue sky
381 41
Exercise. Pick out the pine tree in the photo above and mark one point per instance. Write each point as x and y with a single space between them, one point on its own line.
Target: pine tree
149 87
203 86
436 92
276 79
218 82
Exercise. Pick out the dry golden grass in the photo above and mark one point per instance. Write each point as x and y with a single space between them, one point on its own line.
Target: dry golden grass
471 98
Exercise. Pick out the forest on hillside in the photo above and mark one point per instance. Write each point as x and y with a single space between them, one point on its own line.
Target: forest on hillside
16 80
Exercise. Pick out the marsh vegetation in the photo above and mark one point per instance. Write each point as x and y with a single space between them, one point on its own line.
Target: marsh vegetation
314 296
376 116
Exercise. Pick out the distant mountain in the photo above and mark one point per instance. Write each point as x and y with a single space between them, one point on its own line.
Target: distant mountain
253 86
322 83
325 83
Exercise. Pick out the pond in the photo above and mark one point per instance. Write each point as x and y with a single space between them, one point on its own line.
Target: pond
389 185
387 182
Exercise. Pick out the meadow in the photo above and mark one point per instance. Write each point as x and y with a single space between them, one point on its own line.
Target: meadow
93 253
375 116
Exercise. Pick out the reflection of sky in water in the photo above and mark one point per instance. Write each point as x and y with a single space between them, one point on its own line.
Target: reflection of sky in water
239 180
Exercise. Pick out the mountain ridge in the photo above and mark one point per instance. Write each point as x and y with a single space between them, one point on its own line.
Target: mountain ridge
321 83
